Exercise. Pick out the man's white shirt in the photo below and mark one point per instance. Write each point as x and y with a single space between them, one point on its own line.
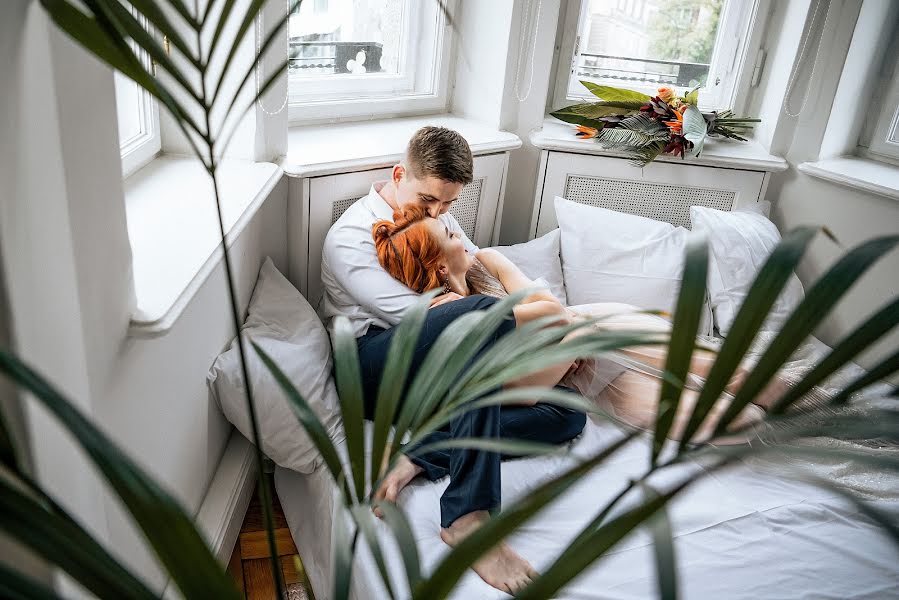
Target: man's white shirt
354 282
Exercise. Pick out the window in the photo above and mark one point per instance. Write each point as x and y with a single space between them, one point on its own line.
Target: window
881 138
138 118
646 44
358 58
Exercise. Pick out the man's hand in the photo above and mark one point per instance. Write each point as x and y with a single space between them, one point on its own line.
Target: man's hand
444 298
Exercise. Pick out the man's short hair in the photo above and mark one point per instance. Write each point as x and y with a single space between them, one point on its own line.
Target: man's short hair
439 152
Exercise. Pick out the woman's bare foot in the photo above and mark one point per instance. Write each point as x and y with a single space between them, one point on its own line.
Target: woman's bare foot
501 567
402 473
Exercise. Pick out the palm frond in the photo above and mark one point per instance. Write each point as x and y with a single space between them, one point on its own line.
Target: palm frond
635 131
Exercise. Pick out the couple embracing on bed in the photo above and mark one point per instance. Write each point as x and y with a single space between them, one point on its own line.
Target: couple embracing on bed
400 241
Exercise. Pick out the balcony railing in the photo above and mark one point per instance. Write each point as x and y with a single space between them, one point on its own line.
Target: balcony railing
644 71
324 57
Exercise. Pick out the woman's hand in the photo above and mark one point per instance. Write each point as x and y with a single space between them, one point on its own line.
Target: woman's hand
444 299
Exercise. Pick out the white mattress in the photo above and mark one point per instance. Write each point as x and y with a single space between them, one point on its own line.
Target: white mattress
749 532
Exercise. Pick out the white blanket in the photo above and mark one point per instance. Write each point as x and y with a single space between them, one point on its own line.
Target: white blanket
749 532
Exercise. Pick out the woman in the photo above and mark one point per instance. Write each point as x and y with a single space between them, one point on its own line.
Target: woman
423 254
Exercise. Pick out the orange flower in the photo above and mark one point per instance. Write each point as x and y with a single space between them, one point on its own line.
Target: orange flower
667 94
586 132
676 126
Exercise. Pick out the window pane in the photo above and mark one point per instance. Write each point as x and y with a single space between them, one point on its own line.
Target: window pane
128 108
346 37
648 42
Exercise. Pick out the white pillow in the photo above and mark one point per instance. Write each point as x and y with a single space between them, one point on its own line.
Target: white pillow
740 242
539 259
611 256
286 327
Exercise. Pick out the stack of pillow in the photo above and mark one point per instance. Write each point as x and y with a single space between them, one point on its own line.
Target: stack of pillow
596 255
604 255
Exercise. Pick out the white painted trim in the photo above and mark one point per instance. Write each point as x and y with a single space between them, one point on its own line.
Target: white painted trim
153 323
866 175
319 150
498 215
559 136
228 497
538 193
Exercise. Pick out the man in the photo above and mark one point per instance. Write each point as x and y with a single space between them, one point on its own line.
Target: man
436 167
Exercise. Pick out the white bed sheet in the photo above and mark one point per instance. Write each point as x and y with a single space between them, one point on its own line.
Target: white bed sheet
749 532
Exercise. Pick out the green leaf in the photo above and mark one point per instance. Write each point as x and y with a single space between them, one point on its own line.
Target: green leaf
447 348
695 129
687 316
46 529
813 309
640 157
457 562
499 365
352 403
875 327
344 549
663 546
512 396
587 113
765 289
252 10
168 529
310 422
363 516
507 446
161 23
881 370
14 586
405 539
634 132
578 557
116 53
115 16
613 94
394 377
8 456
692 97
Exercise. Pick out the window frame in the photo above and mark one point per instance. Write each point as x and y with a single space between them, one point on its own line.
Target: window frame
139 150
881 141
746 18
420 87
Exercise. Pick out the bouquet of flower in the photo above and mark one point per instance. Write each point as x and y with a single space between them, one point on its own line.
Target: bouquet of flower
643 127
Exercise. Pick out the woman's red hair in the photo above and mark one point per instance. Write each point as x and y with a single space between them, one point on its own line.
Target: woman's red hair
407 250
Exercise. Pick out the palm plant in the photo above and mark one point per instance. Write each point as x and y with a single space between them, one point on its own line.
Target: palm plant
445 385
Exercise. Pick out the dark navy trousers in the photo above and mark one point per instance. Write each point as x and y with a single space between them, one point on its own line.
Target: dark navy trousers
474 474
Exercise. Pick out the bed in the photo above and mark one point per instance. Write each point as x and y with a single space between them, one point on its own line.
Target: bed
752 531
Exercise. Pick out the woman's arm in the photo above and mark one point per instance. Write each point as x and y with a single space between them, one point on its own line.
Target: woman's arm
511 277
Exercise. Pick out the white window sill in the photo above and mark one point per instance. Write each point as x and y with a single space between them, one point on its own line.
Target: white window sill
344 147
559 136
174 231
859 173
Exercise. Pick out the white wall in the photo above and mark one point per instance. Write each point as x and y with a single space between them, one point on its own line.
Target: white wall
487 71
851 214
67 265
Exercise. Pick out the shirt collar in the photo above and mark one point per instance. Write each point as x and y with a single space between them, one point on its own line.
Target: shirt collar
376 204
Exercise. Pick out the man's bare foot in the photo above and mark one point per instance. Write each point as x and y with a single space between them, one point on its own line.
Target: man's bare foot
501 567
402 473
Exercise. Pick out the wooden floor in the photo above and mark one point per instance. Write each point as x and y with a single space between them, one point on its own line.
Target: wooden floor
250 565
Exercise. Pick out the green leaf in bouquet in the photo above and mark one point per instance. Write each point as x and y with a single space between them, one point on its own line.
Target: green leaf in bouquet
695 129
588 113
633 132
609 93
